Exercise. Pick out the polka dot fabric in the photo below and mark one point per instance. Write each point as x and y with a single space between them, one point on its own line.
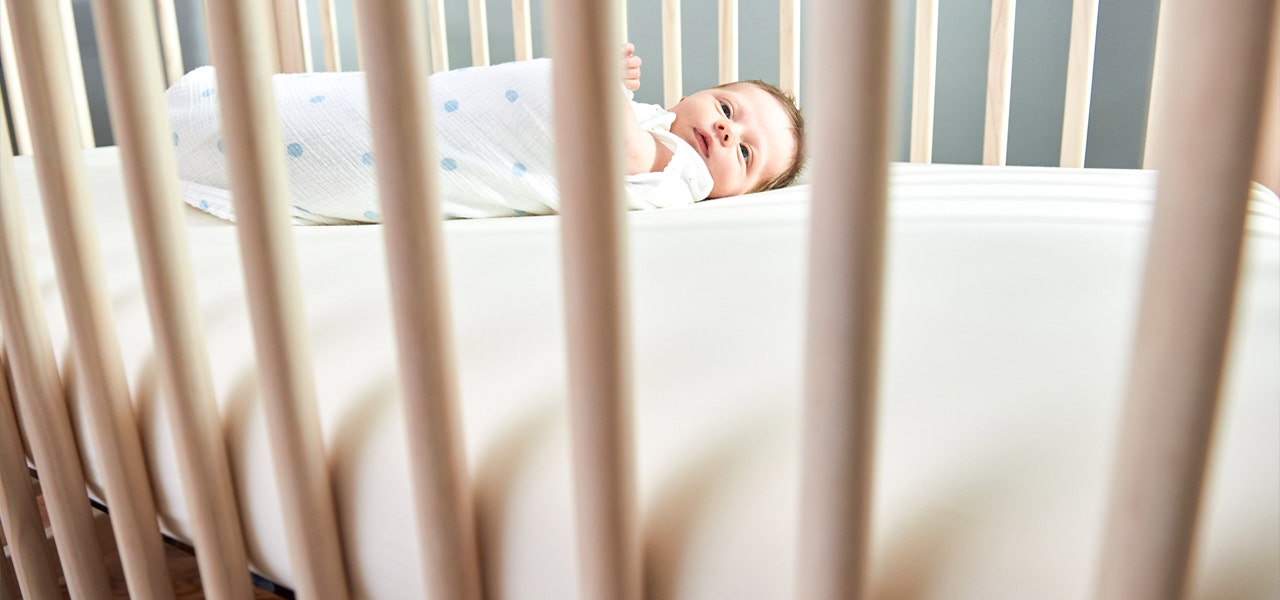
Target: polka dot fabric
493 143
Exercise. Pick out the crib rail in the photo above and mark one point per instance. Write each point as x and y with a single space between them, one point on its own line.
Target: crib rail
329 36
46 424
167 17
728 41
18 507
1075 119
995 137
13 85
398 99
846 266
70 39
672 72
1183 329
1267 168
924 80
144 137
439 39
1188 290
239 32
522 24
99 369
28 355
789 47
479 33
593 238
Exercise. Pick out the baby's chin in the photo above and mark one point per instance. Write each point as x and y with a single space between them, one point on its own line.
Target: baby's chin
718 192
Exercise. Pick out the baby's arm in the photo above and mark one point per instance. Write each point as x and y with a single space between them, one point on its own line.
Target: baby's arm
645 154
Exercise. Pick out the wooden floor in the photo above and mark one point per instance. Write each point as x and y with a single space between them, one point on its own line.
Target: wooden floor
180 560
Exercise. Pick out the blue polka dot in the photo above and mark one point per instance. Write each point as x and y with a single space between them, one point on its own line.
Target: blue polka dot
175 139
208 92
372 216
521 213
295 150
220 149
204 205
367 158
450 215
317 99
519 170
512 95
448 164
451 106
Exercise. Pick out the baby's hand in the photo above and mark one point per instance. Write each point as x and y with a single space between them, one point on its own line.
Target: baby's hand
630 67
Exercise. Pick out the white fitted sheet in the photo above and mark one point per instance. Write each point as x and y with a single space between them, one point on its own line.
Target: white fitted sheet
1011 295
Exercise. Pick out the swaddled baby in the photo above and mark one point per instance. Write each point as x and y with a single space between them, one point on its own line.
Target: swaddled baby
494 143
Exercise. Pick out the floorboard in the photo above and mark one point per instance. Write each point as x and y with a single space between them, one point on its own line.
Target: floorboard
179 559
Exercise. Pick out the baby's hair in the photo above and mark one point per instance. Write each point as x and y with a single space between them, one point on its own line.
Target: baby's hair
788 103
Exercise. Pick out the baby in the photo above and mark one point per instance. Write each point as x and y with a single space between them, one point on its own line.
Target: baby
749 135
494 143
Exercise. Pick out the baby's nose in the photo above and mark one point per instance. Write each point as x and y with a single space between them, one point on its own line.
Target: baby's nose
726 131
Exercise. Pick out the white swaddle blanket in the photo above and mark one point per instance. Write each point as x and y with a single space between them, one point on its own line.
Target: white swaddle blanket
494 146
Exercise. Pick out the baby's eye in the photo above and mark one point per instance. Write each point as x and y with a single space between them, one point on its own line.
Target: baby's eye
746 154
724 108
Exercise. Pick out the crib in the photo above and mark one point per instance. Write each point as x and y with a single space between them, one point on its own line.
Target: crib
889 380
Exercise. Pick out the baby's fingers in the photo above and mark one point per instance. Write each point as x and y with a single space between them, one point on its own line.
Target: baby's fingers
631 69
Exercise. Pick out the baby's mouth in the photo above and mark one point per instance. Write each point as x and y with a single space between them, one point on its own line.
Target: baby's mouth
704 145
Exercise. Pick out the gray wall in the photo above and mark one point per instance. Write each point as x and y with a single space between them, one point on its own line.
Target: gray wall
1122 70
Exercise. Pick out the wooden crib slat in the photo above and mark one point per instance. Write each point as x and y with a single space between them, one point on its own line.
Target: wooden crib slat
850 112
995 140
924 78
329 28
439 39
144 137
1266 169
355 22
66 12
238 32
401 117
8 580
1075 118
672 59
167 18
593 242
479 33
293 41
621 21
1213 104
1155 106
789 52
13 84
99 368
23 527
728 41
522 29
39 397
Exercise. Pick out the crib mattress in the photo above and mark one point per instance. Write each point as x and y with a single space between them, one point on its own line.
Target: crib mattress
1011 301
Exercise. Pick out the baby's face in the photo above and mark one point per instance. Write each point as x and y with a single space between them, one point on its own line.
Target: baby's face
741 131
